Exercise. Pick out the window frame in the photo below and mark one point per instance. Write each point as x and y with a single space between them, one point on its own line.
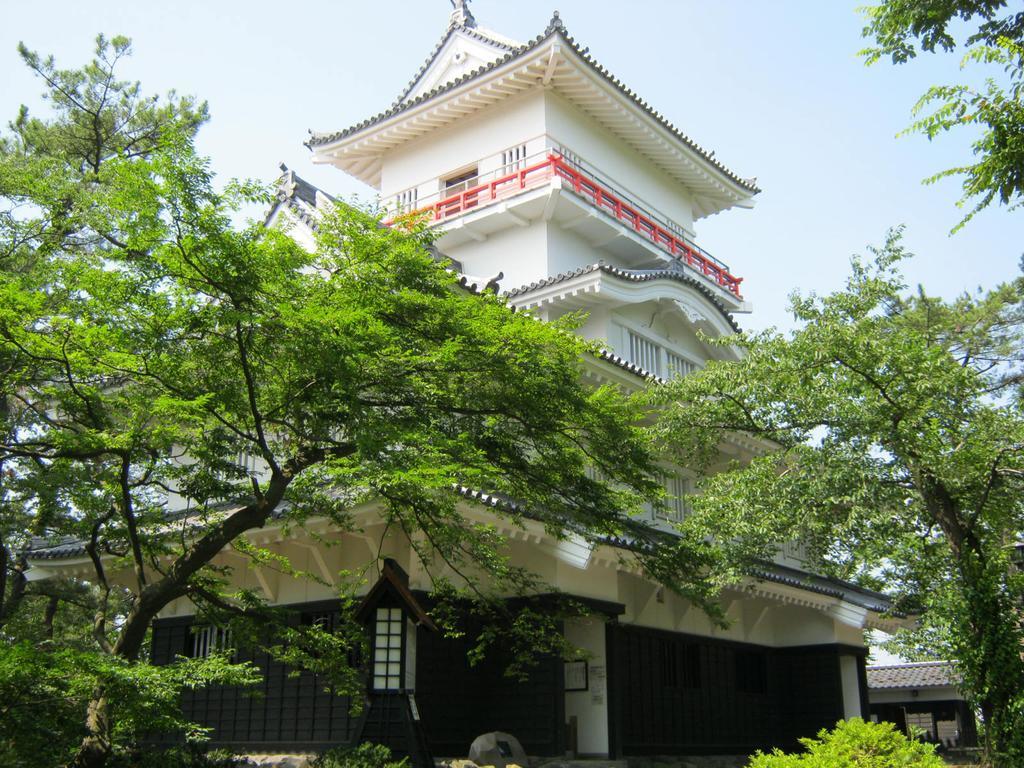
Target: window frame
206 639
393 618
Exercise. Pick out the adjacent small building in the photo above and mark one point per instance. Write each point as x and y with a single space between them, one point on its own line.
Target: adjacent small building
922 698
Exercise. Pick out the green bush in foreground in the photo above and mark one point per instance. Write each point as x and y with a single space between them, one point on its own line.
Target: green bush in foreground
180 756
363 756
855 744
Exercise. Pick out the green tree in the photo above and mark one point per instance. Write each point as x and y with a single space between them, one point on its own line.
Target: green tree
148 341
48 170
995 110
45 690
900 462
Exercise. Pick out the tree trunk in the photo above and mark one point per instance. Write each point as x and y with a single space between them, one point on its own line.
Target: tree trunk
993 658
49 614
96 746
18 584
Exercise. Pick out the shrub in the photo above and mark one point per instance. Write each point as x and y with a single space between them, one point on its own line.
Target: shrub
365 755
181 756
855 744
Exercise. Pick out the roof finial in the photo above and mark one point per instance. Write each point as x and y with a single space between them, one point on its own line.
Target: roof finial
555 23
461 16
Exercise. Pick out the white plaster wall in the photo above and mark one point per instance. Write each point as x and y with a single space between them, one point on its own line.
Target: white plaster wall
794 625
297 230
568 251
590 707
520 252
485 134
903 695
595 324
597 581
617 162
848 635
851 686
752 619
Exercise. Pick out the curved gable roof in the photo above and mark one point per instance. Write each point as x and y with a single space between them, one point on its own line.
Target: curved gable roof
555 29
468 29
633 276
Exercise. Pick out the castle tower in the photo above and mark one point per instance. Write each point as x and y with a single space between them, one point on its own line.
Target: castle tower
533 161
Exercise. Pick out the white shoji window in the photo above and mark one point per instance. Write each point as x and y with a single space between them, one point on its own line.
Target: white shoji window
387 649
206 640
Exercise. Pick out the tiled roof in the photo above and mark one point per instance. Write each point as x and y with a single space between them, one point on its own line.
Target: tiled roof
611 357
632 275
69 547
925 674
298 196
823 585
556 27
45 549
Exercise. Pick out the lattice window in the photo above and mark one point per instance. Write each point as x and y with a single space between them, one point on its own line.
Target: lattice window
920 722
513 159
324 620
460 182
249 463
387 649
677 489
676 229
206 640
795 550
678 365
406 201
679 664
644 353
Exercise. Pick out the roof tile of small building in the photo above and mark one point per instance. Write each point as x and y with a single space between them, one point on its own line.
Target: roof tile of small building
926 674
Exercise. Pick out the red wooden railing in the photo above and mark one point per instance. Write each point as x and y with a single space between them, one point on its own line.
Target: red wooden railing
602 198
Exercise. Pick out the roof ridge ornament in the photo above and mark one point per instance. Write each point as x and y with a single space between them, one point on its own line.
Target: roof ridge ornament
461 16
555 24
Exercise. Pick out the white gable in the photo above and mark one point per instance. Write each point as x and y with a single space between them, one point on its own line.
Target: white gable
461 53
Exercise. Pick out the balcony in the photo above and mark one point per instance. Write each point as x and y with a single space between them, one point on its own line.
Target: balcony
564 168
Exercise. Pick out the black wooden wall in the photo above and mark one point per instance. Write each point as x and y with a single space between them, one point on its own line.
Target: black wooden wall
282 710
458 703
682 694
668 694
809 687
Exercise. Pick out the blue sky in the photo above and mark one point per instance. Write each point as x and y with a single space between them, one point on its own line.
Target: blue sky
774 88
